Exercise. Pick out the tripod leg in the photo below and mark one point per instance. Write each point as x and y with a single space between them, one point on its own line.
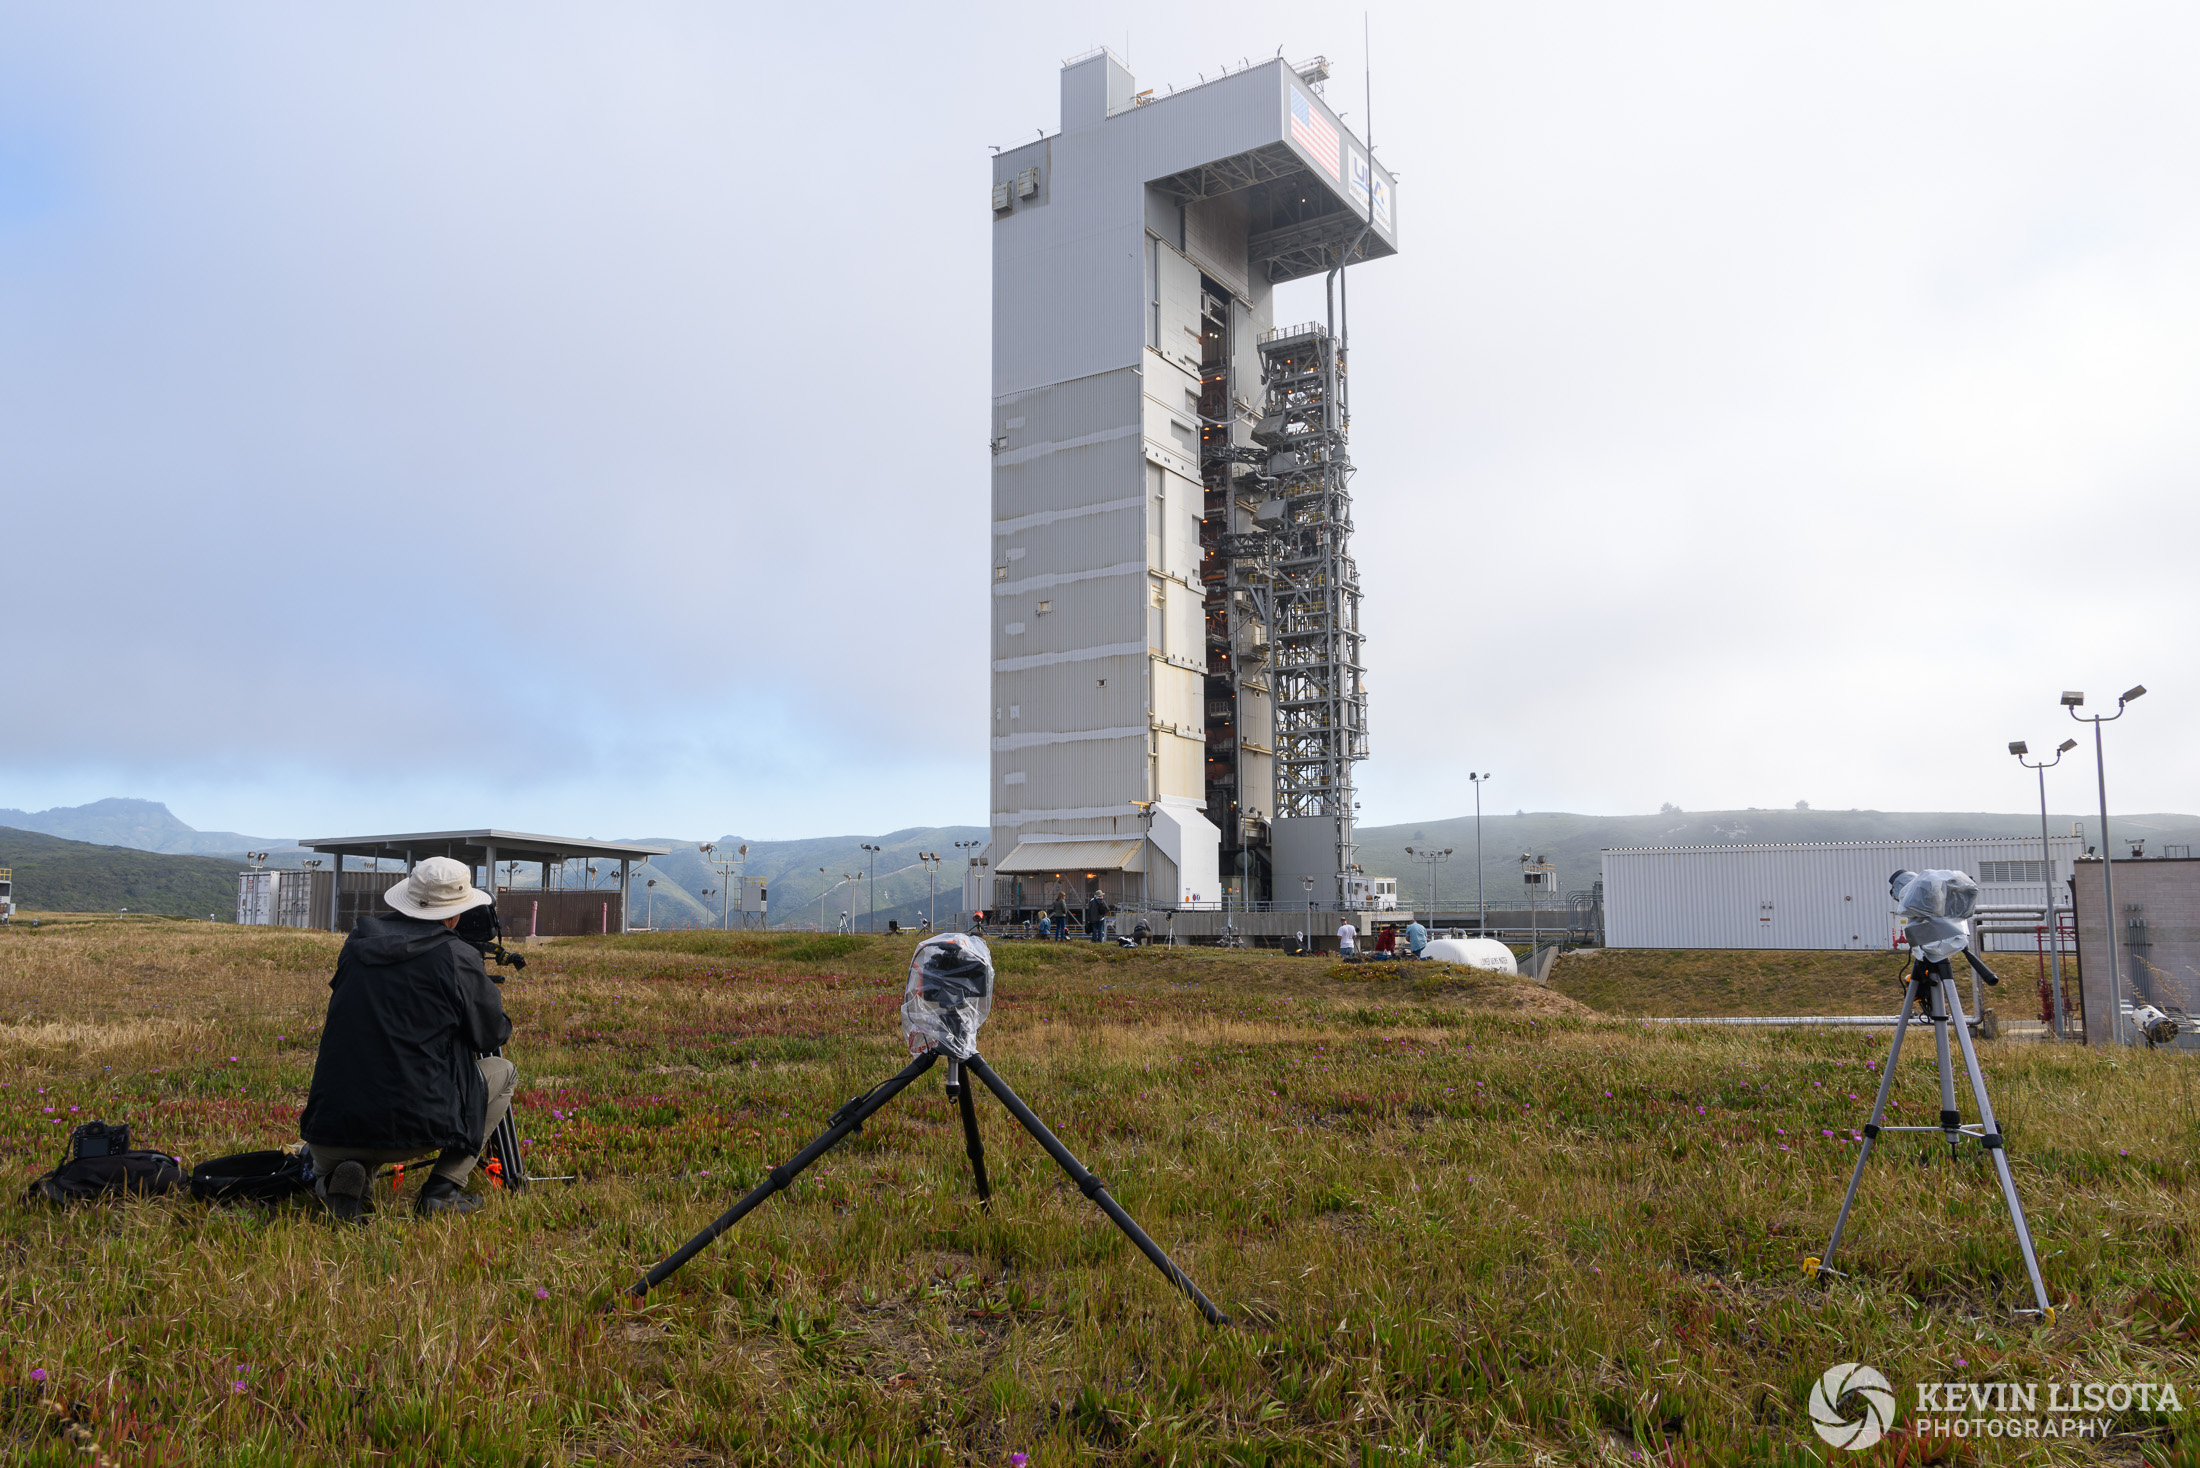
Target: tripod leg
504 1143
1092 1187
1992 1142
1943 991
973 1144
1822 1267
849 1118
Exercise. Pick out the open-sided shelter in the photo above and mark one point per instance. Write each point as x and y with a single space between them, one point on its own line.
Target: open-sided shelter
545 910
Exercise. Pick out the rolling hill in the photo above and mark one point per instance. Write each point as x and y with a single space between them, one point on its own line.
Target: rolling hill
57 875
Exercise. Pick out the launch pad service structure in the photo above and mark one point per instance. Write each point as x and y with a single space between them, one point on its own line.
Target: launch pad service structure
1178 694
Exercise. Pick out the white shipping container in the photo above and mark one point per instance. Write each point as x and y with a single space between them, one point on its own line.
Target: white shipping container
256 898
1814 895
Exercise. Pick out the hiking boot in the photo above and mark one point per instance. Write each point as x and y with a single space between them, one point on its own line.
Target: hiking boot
346 1194
440 1196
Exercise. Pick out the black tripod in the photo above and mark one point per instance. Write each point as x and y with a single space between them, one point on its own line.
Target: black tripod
849 1119
1932 987
503 1148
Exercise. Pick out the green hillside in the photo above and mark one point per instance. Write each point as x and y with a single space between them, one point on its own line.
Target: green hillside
55 875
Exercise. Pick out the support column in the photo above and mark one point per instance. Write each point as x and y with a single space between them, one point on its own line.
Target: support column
489 855
336 892
626 893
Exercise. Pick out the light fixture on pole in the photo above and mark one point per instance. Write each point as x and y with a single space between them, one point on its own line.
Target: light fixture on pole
1481 908
1430 858
849 877
960 848
871 923
2074 702
1145 855
728 874
2047 874
649 905
1309 881
823 892
931 860
1535 875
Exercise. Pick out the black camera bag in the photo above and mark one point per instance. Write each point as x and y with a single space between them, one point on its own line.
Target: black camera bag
100 1164
253 1177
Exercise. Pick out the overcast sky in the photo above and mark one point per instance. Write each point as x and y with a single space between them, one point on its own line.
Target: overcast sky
572 417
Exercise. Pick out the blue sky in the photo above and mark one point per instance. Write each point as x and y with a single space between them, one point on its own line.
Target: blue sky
570 418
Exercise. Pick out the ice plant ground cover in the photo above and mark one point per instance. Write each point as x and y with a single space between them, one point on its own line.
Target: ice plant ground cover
1457 1219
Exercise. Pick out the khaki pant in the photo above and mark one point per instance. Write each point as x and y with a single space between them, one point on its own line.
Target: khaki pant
455 1163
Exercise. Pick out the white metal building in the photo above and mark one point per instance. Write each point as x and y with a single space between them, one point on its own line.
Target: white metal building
1134 374
1820 894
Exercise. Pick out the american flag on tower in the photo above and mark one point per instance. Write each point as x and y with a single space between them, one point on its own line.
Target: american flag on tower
1311 131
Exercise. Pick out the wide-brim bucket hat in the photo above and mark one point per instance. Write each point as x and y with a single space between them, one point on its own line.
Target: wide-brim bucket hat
437 888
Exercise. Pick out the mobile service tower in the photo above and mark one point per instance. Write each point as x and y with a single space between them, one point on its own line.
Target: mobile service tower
1178 692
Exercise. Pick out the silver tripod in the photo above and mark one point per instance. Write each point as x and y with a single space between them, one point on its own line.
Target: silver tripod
1932 988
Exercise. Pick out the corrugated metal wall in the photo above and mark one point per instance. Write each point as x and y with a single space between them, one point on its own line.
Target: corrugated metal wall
1821 895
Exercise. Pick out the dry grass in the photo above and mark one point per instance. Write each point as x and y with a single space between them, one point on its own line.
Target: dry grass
1453 1229
1649 981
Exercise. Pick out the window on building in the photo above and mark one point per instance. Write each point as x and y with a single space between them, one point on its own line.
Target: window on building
1045 607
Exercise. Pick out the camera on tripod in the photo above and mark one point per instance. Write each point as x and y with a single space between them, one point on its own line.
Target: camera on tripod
481 927
1936 911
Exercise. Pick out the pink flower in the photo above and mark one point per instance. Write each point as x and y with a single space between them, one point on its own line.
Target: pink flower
1017 1460
38 1373
541 1293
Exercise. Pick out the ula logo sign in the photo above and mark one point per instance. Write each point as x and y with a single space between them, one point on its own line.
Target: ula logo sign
1873 1399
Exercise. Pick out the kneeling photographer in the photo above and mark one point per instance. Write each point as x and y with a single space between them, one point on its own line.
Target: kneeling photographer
404 1068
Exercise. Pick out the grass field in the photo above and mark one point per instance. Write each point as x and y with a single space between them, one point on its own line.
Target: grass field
1456 1220
1655 981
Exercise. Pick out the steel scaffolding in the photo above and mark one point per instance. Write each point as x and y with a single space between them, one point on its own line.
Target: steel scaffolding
1294 591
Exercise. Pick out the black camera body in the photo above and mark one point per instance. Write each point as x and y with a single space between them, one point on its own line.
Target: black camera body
481 927
97 1139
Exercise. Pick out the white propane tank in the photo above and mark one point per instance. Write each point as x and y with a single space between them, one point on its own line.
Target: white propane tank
1485 953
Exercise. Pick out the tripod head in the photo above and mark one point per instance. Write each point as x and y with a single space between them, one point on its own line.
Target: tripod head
1929 973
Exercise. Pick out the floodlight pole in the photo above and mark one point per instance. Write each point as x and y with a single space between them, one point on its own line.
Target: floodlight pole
2047 877
1430 858
961 847
2073 702
871 923
931 860
1481 908
1145 860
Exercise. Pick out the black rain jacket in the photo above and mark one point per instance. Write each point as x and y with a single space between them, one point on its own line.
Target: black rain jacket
409 1009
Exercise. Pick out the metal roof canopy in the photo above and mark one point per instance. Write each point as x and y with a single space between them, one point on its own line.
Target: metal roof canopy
479 847
1037 858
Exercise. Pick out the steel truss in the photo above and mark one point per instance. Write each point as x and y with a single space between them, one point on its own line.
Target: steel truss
1292 591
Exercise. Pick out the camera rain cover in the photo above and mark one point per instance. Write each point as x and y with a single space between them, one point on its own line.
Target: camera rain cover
949 995
1936 911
